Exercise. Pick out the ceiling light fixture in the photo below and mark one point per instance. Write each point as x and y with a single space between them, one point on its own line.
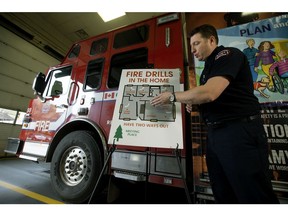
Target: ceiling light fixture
108 15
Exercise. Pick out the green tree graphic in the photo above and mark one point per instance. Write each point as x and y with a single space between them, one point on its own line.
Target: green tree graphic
118 134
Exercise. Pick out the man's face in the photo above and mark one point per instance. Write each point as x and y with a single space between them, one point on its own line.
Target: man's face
201 47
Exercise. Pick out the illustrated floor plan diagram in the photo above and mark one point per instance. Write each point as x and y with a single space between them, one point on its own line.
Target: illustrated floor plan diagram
136 104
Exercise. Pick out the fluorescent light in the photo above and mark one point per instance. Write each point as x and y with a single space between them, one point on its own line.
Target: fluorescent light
246 13
108 15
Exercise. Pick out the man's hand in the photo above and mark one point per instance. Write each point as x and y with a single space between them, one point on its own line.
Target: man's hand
161 99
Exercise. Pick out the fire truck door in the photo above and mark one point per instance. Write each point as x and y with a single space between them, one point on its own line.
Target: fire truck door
62 92
48 115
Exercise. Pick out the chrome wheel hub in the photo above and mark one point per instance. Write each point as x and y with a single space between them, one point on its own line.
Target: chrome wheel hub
73 166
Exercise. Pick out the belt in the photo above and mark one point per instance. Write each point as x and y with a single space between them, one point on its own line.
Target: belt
232 121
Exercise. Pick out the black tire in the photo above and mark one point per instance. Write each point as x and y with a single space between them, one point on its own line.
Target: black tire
278 83
75 166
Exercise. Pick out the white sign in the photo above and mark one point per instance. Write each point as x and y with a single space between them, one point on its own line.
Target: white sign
135 121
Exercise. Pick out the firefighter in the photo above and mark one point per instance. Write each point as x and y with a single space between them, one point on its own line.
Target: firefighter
237 148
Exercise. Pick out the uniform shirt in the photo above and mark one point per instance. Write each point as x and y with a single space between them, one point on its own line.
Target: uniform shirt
238 99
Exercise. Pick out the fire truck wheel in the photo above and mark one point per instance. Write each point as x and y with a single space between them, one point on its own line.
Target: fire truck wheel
75 166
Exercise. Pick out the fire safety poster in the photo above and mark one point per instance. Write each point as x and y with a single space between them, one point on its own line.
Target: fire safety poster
275 124
135 121
265 44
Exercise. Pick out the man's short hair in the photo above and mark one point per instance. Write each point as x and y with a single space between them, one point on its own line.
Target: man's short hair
206 31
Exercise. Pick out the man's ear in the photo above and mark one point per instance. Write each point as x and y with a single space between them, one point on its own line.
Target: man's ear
212 39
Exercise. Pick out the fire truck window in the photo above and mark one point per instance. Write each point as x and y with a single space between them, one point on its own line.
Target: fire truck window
93 74
57 88
129 60
74 52
131 37
59 81
99 46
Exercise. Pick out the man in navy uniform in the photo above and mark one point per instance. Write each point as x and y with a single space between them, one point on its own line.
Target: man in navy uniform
237 149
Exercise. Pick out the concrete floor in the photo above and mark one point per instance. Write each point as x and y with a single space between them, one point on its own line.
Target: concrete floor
27 182
20 179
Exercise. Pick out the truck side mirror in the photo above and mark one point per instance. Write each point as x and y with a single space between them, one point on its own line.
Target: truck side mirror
39 84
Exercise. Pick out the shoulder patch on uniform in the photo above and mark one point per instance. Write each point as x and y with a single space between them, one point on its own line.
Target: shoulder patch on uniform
222 53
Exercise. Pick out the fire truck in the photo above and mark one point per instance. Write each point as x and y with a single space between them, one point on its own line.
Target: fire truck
68 124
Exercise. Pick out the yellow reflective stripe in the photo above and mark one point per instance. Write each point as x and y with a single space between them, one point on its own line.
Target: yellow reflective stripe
31 194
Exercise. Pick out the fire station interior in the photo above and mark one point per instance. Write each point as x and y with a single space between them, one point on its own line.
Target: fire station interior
32 42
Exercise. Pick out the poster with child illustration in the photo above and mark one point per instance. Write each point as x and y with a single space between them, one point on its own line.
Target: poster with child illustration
265 43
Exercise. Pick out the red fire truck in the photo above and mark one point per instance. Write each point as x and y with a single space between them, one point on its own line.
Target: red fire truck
68 124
